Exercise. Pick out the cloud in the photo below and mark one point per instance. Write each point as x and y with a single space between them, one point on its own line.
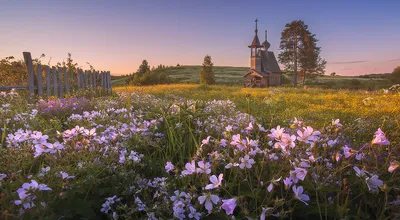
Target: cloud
349 62
394 60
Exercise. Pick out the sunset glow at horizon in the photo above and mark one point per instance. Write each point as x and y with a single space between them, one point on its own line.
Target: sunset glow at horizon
356 37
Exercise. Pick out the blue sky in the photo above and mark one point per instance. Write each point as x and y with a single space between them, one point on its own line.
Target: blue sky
357 37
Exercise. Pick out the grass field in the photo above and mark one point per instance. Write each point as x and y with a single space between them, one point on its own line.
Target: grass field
278 105
234 76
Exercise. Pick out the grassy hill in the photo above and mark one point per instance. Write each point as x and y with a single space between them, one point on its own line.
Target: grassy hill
234 76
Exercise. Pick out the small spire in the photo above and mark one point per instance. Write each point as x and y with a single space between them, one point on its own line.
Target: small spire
256 25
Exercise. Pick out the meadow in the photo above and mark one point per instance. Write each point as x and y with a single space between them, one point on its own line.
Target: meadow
227 75
190 151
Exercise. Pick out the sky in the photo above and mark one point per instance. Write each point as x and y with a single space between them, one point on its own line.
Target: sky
356 37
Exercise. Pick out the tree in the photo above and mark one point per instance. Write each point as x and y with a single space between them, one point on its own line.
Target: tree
333 74
299 50
207 72
396 74
143 68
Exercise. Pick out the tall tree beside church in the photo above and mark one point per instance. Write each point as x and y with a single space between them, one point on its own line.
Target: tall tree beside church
299 51
207 73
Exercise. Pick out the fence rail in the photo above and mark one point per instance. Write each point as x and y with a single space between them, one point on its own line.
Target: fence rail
57 81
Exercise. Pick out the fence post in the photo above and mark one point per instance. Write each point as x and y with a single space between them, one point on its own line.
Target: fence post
39 80
31 72
109 82
90 82
55 81
48 82
66 80
95 82
60 81
78 79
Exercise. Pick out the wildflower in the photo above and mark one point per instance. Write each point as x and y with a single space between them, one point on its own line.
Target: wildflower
348 152
250 127
228 205
106 206
190 168
246 162
215 182
2 176
308 136
393 165
169 167
26 193
65 175
89 133
276 133
298 174
380 138
336 123
203 167
223 143
271 185
193 213
359 173
264 210
206 141
288 182
287 140
208 200
298 192
373 183
229 128
140 205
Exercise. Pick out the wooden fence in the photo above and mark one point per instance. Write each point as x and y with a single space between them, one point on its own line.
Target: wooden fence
57 81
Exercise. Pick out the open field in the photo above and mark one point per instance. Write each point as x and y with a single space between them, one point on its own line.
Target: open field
213 152
234 76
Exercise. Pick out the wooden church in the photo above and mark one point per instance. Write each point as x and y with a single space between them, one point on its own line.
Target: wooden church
264 69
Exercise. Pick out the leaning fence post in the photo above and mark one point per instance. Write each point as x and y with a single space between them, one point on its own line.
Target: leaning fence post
48 82
31 72
55 81
39 80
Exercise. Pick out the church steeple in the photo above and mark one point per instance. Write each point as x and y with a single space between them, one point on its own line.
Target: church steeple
256 41
255 56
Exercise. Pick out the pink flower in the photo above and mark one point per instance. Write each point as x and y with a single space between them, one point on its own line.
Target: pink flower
246 162
298 192
190 168
393 166
380 138
276 133
169 167
203 167
206 141
229 205
215 182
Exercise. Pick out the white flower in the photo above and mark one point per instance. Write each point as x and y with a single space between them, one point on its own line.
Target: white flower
298 192
215 182
246 162
190 168
208 200
169 167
